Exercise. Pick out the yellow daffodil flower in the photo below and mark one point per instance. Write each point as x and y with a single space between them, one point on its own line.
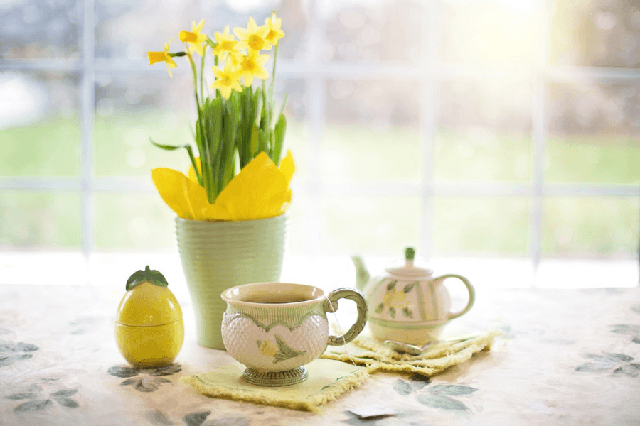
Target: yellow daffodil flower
226 79
252 65
275 33
164 56
253 37
226 44
194 38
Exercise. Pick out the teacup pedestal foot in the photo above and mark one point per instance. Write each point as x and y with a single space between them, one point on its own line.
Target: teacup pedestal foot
275 378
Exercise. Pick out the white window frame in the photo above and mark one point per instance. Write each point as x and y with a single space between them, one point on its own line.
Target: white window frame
430 72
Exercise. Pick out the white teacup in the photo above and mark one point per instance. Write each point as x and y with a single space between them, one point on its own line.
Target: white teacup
274 329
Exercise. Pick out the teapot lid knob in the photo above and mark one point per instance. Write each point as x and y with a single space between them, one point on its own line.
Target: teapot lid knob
409 253
409 271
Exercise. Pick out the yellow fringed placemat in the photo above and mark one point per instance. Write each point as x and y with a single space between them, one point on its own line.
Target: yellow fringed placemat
327 380
434 360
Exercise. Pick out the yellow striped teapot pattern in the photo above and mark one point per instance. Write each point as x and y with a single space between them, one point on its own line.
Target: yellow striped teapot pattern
408 304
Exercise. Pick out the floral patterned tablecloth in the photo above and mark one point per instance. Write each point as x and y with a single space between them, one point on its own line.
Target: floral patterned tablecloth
567 357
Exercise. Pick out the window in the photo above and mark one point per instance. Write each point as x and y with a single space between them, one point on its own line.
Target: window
499 137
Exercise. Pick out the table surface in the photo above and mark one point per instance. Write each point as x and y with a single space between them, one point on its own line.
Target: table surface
567 357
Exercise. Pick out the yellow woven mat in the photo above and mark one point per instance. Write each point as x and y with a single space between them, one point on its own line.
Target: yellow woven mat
327 380
436 358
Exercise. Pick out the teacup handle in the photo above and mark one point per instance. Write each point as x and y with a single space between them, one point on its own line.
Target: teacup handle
331 305
472 295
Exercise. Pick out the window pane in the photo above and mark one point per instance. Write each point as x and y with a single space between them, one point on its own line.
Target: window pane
594 133
299 216
373 31
134 108
297 135
591 227
37 219
38 29
488 31
596 33
371 132
133 222
40 126
484 132
374 225
481 226
130 29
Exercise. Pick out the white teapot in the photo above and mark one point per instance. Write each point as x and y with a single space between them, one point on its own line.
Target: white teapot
408 304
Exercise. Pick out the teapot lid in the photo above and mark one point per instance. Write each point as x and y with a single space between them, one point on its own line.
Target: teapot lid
409 270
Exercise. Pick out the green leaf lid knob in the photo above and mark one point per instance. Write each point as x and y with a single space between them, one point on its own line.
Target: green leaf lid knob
409 269
409 254
146 276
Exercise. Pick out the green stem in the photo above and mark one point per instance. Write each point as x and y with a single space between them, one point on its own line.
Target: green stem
195 79
273 71
204 53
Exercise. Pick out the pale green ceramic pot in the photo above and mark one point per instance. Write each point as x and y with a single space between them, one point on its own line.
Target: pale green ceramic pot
219 255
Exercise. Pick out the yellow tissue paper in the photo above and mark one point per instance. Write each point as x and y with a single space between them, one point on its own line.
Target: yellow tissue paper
259 191
186 198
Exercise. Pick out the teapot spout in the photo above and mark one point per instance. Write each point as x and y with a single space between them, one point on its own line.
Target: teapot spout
362 274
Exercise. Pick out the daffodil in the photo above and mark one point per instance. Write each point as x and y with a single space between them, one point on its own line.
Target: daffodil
253 37
275 33
252 65
194 38
164 56
226 44
226 79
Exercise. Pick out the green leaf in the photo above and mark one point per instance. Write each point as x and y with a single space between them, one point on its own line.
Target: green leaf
31 406
379 308
67 402
407 312
123 372
20 396
441 401
168 147
409 287
148 275
286 349
391 285
452 390
402 387
64 393
392 312
279 132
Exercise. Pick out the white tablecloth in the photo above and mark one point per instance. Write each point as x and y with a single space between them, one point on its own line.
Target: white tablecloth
567 357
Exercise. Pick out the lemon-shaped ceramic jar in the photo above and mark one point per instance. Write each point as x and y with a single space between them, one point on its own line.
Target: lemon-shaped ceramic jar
149 328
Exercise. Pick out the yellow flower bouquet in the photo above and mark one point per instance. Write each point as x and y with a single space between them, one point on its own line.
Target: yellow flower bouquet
239 130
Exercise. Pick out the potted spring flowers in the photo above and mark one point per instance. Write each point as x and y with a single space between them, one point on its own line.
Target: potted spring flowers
231 206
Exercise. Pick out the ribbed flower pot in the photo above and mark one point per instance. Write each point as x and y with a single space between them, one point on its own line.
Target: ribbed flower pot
218 255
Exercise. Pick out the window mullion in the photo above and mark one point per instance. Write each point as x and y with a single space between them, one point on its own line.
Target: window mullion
539 133
87 105
315 115
428 120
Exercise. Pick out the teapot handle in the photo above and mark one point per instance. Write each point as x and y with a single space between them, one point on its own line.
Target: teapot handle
472 295
331 305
